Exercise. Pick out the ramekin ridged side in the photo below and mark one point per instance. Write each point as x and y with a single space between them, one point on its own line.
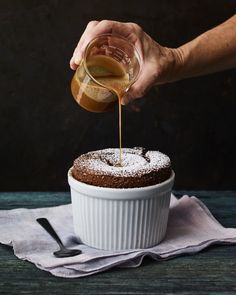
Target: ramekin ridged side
117 219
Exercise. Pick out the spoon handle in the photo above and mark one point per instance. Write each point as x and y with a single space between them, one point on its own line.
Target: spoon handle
49 229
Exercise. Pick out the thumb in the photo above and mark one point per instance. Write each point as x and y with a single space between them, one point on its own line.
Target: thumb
136 90
126 99
145 81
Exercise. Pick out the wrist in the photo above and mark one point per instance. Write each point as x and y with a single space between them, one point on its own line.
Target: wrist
176 61
169 65
179 63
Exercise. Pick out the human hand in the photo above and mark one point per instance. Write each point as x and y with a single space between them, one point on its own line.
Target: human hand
157 61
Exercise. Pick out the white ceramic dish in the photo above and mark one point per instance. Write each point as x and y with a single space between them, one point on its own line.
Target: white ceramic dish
115 219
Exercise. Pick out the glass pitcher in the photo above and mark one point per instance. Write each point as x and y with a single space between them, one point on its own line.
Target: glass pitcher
110 65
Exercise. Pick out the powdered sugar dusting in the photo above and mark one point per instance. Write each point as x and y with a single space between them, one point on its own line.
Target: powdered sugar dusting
135 162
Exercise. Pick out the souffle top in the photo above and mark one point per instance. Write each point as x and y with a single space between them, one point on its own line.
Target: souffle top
140 168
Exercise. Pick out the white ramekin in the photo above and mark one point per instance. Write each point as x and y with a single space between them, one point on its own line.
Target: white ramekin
116 219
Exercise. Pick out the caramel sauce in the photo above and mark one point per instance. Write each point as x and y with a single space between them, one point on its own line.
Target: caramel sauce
107 88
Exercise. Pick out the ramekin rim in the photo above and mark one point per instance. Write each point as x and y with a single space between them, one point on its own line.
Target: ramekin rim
114 190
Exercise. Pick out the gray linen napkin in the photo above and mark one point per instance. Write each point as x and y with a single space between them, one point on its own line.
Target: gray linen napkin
191 228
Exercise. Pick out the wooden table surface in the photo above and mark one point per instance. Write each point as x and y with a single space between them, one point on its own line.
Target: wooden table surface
213 271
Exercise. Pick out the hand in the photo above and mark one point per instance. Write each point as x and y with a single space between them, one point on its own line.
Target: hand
157 61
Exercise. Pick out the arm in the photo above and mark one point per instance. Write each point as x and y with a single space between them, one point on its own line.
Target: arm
213 51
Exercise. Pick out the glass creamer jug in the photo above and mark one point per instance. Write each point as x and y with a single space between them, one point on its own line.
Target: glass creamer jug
110 65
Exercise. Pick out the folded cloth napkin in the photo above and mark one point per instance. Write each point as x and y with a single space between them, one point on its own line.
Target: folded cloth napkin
191 228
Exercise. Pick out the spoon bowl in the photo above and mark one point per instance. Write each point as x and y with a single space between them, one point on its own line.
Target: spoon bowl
66 253
63 252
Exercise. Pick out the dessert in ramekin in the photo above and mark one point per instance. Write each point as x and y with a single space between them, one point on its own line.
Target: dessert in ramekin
121 207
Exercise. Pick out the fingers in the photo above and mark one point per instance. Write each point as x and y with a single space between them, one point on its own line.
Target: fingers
77 54
130 31
149 50
146 80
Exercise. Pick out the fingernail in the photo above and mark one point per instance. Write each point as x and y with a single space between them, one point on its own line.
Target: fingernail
124 101
77 60
73 66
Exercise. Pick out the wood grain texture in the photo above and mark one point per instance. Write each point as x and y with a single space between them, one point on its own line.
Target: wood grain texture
213 271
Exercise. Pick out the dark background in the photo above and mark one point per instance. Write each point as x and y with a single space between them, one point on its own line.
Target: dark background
42 129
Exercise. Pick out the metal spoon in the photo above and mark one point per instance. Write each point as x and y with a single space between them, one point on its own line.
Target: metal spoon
63 252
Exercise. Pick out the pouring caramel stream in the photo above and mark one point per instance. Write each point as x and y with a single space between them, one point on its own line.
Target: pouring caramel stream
110 73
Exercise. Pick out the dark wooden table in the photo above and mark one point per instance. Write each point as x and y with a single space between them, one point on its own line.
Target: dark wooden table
213 271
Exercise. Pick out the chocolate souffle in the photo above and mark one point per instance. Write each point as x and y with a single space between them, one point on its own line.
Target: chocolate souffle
140 168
